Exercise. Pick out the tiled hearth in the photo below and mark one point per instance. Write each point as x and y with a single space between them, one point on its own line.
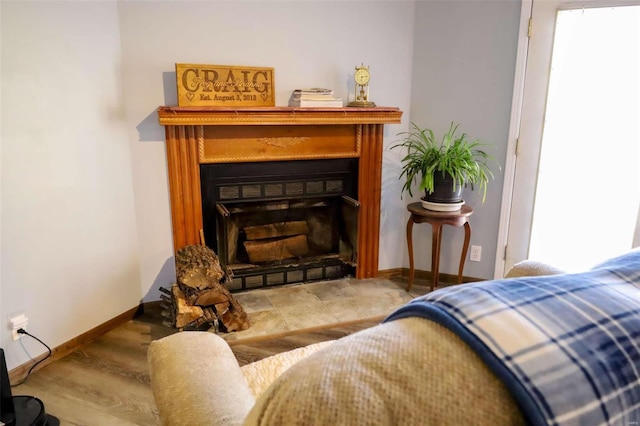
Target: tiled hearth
294 307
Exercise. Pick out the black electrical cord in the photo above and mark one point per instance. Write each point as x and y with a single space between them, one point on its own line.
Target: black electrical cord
23 331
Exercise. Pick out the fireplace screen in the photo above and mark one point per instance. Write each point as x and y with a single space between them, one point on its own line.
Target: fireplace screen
282 222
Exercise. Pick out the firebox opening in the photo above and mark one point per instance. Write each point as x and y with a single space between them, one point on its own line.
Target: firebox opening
282 222
300 228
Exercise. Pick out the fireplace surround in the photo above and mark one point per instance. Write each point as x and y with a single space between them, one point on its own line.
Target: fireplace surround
249 154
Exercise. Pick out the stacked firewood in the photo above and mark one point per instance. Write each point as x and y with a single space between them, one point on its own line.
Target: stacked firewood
199 296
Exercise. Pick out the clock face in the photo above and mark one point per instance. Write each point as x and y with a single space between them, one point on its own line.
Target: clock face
362 76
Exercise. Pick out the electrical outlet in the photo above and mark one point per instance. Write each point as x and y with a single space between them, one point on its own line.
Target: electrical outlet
18 322
16 335
476 253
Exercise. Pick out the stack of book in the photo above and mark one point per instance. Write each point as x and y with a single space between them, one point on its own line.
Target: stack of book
314 97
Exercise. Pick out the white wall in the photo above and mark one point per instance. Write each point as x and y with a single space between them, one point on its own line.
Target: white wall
307 43
464 64
69 245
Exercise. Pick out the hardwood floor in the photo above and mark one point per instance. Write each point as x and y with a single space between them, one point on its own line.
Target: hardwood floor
251 352
107 381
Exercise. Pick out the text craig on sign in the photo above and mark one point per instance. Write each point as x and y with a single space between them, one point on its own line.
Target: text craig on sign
221 85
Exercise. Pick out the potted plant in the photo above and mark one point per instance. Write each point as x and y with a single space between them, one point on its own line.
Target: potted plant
443 168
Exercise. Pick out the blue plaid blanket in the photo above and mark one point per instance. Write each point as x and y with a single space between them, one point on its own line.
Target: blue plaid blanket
566 346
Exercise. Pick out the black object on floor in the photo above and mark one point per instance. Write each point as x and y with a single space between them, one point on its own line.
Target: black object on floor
20 410
30 411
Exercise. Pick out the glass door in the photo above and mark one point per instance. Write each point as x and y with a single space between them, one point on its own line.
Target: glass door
576 191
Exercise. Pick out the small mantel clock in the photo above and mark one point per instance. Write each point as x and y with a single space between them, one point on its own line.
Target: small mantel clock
361 77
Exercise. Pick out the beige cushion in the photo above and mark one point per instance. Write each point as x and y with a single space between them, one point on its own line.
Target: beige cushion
530 268
406 372
260 374
196 381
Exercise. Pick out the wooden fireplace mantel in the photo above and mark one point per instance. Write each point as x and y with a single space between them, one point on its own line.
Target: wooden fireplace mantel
175 116
201 135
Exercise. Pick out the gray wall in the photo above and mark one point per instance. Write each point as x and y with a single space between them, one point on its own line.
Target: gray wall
86 230
308 44
463 71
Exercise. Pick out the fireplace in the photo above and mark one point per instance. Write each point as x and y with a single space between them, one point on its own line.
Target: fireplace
302 182
282 222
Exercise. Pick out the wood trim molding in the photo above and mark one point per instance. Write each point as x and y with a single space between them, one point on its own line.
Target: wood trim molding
184 184
181 116
369 186
18 374
448 279
251 143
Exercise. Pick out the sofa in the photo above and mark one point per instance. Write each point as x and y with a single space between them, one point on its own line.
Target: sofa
407 371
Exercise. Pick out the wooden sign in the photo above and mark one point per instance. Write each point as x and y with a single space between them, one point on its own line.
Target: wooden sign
222 85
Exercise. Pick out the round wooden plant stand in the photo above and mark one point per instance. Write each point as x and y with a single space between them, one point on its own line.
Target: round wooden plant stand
437 220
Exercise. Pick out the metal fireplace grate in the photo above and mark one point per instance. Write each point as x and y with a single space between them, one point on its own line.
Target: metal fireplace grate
309 270
277 190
